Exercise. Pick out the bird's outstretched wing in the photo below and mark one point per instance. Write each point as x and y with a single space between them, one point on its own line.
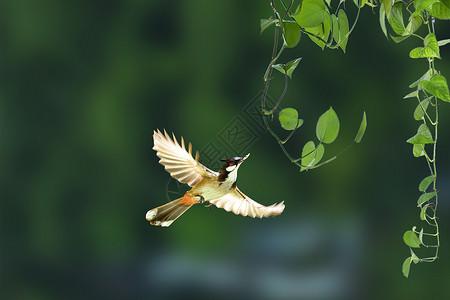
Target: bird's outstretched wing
240 204
177 161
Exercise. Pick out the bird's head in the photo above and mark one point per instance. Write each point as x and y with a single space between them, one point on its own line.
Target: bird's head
233 163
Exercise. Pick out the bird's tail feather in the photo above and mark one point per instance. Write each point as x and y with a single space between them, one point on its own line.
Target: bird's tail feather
164 215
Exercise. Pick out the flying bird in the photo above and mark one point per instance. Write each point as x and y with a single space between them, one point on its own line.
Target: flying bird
217 188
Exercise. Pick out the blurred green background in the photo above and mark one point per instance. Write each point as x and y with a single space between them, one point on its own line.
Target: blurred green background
84 84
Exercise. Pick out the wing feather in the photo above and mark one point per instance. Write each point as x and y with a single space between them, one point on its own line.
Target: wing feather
177 161
240 204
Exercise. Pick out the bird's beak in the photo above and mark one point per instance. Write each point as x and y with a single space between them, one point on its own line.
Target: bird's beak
245 157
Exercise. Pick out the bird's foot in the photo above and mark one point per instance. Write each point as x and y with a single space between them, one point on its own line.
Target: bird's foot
201 200
208 206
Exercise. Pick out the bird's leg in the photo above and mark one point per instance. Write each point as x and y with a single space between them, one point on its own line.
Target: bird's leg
208 206
201 200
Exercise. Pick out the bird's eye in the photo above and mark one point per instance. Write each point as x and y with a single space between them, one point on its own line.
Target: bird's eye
231 164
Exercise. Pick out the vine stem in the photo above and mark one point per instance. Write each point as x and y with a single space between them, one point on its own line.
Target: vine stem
280 142
435 176
270 112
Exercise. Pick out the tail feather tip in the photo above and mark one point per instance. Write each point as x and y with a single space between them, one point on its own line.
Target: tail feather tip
162 224
151 214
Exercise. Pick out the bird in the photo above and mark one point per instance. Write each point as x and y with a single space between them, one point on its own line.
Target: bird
217 188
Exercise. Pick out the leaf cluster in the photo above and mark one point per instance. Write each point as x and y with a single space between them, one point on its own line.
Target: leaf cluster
327 29
327 130
430 89
331 29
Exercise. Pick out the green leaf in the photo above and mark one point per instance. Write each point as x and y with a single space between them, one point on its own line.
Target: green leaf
311 13
291 33
413 25
289 119
431 42
395 18
387 6
266 23
440 9
420 110
423 136
410 238
418 150
437 86
291 66
443 42
425 76
399 39
311 155
429 50
406 266
340 29
322 31
287 68
343 29
383 19
425 183
359 3
414 94
423 212
362 129
414 257
420 238
335 28
327 127
425 197
280 67
421 5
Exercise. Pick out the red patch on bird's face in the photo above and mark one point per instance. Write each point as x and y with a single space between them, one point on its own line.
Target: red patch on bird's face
231 164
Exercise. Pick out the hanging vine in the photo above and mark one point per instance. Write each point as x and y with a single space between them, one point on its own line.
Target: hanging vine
331 30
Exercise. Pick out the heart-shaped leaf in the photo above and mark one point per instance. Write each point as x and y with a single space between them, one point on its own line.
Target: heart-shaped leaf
425 197
420 110
413 25
414 257
414 94
429 50
266 23
423 212
410 238
425 183
406 266
289 119
421 5
418 150
423 136
311 155
437 86
395 18
287 68
311 13
440 9
320 33
425 76
327 127
291 33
